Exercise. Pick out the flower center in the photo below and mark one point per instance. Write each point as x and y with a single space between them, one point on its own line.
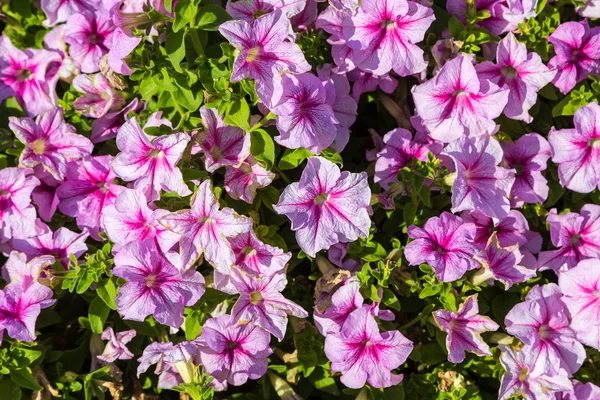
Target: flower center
510 72
23 75
94 38
4 193
519 168
544 331
216 153
523 372
255 297
575 239
156 153
103 187
440 249
595 143
39 145
150 280
388 24
232 345
206 220
260 13
248 251
321 198
252 54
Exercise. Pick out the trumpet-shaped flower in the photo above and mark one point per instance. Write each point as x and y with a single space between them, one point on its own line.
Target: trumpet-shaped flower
344 300
98 98
480 183
577 151
154 286
150 161
164 355
17 215
327 206
204 229
44 196
126 16
577 49
60 10
510 230
464 329
261 302
107 126
587 391
522 73
457 102
504 264
115 348
234 353
241 183
255 257
365 82
19 270
542 323
88 188
49 141
362 354
249 10
266 52
223 145
446 244
89 35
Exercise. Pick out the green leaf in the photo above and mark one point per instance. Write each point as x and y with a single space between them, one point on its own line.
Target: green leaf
10 390
238 113
456 27
292 158
310 345
578 97
192 325
430 290
175 47
85 281
193 174
24 378
322 381
184 14
390 299
262 147
107 291
211 16
97 314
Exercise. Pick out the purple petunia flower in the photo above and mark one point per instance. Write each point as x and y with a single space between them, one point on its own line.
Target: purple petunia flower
331 20
88 188
115 348
233 352
384 33
327 206
44 196
154 286
266 52
255 257
17 215
577 49
223 145
457 102
344 300
21 270
504 264
204 229
541 322
107 127
60 10
577 151
364 82
587 391
464 330
166 356
126 16
241 183
480 183
249 10
522 73
150 161
446 244
89 35
362 354
98 98
49 141
261 302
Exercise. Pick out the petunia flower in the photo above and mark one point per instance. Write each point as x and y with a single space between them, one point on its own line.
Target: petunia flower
505 16
480 183
150 161
344 300
305 117
365 82
589 9
580 287
464 329
130 219
577 50
19 269
89 187
446 244
528 156
327 206
166 355
233 352
28 76
362 354
504 264
331 20
541 322
261 302
98 98
265 53
241 183
44 196
126 17
89 35
115 348
107 126
521 378
249 10
581 391
204 229
457 102
510 230
255 257
17 215
154 286
223 145
577 151
522 73
576 235
384 33
49 141
60 10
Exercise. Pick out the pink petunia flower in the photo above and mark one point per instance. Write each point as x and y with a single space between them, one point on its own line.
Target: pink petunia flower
464 330
580 287
457 102
29 76
165 355
223 145
504 264
577 151
266 52
261 302
107 126
17 215
480 183
233 352
126 16
522 73
577 49
331 20
115 348
506 15
130 219
581 391
89 187
362 354
49 141
241 183
365 82
60 10
344 300
305 117
327 206
255 257
576 235
521 378
446 244
528 156
541 322
204 229
44 196
249 10
89 35
21 270
98 98
154 286
150 161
